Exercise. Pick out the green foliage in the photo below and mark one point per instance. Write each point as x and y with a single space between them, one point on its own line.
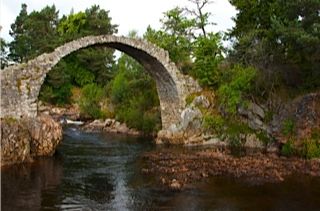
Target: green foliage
190 98
90 101
311 148
208 54
288 148
315 134
288 127
213 123
279 36
72 24
235 127
239 83
133 93
57 86
178 46
176 36
83 76
40 25
264 137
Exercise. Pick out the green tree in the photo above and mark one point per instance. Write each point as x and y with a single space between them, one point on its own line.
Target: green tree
19 47
70 26
208 56
175 36
41 25
279 38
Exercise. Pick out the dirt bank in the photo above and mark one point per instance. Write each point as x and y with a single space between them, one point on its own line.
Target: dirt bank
177 170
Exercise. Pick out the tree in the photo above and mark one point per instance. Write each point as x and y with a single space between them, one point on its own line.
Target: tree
279 38
201 18
208 55
41 25
3 53
175 36
19 47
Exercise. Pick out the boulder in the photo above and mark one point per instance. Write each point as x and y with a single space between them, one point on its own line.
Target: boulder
15 142
28 137
257 110
191 119
201 101
252 141
46 135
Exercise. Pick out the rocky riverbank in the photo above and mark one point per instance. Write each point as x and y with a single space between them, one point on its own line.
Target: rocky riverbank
26 138
72 112
177 170
110 126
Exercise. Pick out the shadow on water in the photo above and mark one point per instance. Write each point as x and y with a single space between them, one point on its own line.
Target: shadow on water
102 172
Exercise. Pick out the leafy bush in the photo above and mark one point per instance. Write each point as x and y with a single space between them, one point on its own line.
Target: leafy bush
83 77
90 101
58 96
119 88
288 148
288 127
214 123
311 148
231 92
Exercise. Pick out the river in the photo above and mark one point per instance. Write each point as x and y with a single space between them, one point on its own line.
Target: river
103 172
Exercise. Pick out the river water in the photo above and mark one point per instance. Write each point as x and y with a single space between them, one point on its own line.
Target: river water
102 172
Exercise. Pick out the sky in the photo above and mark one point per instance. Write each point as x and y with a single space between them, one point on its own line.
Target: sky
128 14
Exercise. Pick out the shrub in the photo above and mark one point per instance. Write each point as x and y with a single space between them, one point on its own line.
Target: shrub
311 148
231 92
90 101
56 96
288 127
83 77
288 148
214 123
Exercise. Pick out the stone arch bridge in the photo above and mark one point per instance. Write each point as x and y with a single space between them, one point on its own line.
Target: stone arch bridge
21 83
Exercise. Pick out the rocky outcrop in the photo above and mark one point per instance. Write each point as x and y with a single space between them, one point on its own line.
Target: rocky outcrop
110 126
15 142
24 139
190 130
189 127
304 114
46 134
254 116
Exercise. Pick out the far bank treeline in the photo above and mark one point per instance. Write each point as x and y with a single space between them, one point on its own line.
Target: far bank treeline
274 50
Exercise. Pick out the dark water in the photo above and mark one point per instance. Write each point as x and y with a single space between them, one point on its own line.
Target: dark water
96 172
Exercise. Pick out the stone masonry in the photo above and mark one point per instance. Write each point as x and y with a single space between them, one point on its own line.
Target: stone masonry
21 83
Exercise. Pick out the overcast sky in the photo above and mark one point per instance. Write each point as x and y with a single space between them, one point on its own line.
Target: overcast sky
128 14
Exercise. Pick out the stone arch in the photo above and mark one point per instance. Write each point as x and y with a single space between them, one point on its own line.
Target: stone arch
20 84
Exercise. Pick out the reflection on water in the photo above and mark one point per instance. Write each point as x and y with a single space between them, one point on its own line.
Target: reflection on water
23 187
98 172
